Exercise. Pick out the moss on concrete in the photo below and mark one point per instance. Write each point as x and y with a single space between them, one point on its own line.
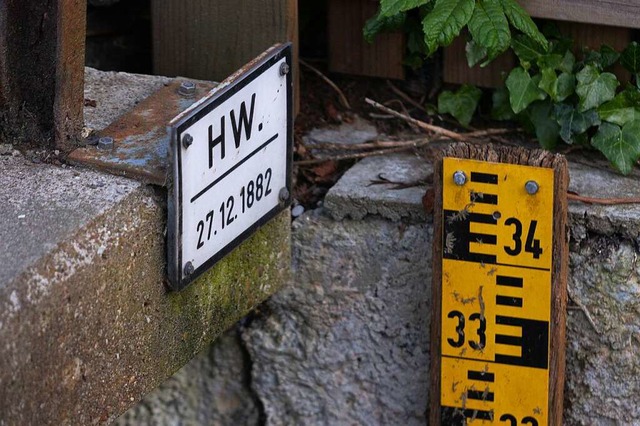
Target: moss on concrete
94 324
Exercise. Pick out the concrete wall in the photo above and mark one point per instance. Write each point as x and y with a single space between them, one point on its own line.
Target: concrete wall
346 342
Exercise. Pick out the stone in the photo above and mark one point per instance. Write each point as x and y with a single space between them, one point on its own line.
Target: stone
213 388
356 195
347 341
85 313
357 131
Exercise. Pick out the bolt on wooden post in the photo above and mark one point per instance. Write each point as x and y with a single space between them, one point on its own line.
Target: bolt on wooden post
41 72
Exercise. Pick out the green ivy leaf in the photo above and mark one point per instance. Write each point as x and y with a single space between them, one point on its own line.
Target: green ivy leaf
393 7
489 28
501 109
557 87
621 146
551 60
548 80
526 49
461 104
520 20
445 21
523 90
475 53
625 107
595 88
379 23
568 61
630 58
546 128
573 122
608 56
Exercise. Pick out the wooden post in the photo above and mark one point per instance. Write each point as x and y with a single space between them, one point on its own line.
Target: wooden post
500 261
210 40
41 71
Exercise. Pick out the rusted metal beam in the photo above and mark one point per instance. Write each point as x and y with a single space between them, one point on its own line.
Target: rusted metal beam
139 142
41 71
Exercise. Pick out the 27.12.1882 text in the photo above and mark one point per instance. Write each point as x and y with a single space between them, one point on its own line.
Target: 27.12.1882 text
253 192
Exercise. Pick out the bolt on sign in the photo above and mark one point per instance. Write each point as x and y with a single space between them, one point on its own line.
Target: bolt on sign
499 305
231 154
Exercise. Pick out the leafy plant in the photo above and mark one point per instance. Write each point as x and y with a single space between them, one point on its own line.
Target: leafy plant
556 96
489 23
575 101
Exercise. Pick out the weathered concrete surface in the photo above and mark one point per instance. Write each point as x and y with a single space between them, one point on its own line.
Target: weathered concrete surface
355 195
87 326
115 93
603 362
349 133
346 342
212 389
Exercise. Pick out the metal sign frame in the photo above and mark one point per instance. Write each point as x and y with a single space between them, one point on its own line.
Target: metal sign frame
175 268
499 275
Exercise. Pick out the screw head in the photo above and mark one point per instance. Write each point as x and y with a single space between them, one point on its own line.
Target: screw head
189 269
283 195
187 140
531 187
459 178
105 142
284 68
187 89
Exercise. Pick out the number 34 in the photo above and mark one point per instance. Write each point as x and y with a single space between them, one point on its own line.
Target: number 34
531 245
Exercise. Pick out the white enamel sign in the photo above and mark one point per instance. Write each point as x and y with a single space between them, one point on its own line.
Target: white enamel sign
232 165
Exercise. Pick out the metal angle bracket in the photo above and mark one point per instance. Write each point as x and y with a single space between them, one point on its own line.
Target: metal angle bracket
140 142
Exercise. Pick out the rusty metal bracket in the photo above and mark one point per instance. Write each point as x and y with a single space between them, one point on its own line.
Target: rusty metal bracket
140 139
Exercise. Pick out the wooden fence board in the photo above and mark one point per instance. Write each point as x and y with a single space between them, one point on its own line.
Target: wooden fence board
349 53
209 40
621 13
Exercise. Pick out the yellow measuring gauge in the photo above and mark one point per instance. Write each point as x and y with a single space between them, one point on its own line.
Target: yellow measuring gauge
496 293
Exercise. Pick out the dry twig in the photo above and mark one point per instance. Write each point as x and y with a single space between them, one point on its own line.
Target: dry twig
362 154
584 310
366 145
341 96
602 201
419 123
405 96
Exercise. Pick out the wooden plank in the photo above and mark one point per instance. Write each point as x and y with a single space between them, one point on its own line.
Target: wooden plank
349 53
210 40
594 36
556 298
621 13
41 71
455 69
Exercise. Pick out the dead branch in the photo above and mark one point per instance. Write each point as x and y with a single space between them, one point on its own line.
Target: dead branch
405 96
425 126
602 201
366 145
584 310
362 154
341 96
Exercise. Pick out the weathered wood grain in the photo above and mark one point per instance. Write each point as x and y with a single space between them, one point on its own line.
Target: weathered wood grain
620 13
512 155
210 40
349 53
41 71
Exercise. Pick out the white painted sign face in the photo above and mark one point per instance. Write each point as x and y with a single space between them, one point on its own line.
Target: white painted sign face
232 160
